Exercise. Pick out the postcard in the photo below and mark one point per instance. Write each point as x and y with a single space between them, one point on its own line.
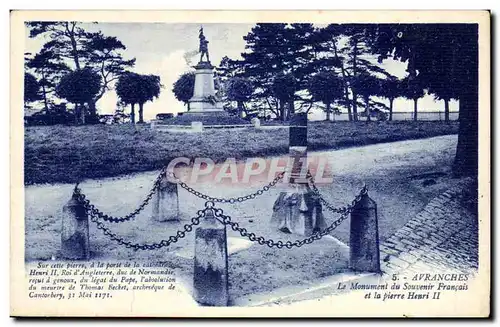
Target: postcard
250 164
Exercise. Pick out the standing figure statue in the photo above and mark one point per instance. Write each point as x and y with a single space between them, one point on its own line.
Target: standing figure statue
203 46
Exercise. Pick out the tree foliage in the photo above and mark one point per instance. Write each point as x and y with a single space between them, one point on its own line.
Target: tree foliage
326 87
70 46
133 88
79 87
240 90
31 88
183 88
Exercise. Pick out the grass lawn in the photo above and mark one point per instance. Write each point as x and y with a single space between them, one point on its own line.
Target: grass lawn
72 153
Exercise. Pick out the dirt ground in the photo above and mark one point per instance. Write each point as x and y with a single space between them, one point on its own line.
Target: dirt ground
402 177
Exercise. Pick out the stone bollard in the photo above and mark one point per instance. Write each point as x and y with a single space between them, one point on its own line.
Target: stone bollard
166 202
153 124
75 231
255 122
210 262
298 210
197 126
364 242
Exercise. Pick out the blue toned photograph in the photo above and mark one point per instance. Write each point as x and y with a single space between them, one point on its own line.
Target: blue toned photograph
259 164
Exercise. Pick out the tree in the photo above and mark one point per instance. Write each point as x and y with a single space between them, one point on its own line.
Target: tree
326 87
70 42
149 89
438 51
133 88
366 85
240 90
183 88
413 89
105 55
31 88
49 68
79 87
283 88
391 88
127 90
275 48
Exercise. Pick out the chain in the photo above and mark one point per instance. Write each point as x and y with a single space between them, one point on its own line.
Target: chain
91 209
261 191
327 205
219 214
153 246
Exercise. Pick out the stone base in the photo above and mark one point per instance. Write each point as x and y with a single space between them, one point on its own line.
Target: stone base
298 211
202 106
208 118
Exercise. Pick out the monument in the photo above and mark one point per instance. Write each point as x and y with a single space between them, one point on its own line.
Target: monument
204 98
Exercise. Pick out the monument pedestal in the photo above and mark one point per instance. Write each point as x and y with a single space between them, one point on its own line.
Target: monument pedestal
204 99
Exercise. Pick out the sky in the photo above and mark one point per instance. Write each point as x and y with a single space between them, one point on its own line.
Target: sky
162 48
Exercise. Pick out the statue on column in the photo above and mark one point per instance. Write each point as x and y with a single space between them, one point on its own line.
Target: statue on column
203 46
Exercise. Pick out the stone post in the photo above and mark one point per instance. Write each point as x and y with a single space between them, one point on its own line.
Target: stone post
364 242
256 122
197 126
166 202
75 231
298 210
210 262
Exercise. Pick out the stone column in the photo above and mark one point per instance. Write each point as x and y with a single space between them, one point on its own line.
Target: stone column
166 202
210 262
298 210
75 242
364 242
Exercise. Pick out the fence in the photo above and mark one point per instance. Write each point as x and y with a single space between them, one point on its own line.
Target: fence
298 211
402 116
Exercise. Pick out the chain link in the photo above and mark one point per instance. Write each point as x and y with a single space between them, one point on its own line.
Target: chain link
152 246
344 215
327 205
89 207
231 200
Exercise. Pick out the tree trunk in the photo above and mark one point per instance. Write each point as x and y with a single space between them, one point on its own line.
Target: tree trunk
282 110
354 71
344 76
446 110
328 111
44 92
240 109
141 112
466 158
391 102
82 111
132 113
77 114
92 111
367 110
74 48
415 109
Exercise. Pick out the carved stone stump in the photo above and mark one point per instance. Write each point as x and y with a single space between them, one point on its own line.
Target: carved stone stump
75 231
298 210
210 263
364 242
166 202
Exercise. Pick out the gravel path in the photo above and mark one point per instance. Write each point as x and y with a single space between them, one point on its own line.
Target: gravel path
395 174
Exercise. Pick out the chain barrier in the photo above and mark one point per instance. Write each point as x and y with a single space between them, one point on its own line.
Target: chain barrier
348 208
89 207
152 246
231 200
219 214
